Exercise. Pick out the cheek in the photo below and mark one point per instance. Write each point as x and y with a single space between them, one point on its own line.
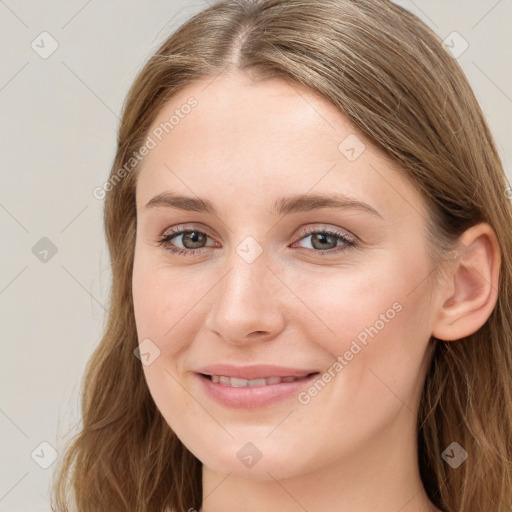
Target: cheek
163 302
163 299
374 322
342 302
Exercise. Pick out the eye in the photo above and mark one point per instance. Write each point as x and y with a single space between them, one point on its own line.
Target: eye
327 240
193 241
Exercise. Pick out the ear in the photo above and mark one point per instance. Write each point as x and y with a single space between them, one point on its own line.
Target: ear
469 294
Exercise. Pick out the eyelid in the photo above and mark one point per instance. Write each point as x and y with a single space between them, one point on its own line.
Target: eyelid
174 230
309 229
326 228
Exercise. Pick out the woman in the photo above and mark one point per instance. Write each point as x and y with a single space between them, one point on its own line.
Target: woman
311 252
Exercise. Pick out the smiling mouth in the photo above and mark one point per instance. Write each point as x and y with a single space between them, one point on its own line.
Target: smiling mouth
236 382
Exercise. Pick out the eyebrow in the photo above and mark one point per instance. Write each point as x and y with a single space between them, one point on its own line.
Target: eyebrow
282 206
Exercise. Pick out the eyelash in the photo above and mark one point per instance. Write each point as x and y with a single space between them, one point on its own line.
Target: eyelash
165 239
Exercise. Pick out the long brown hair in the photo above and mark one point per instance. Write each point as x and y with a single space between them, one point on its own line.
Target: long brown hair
388 72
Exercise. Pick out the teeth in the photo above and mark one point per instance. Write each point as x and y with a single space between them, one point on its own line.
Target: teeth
254 382
241 383
236 383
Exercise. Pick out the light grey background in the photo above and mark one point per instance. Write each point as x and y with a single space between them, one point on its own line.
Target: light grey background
59 117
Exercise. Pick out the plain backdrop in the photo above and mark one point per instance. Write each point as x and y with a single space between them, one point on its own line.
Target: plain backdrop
59 116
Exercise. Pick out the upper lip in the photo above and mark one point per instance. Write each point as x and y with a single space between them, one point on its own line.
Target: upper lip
260 371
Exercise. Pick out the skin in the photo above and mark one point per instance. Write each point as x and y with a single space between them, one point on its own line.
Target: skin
353 446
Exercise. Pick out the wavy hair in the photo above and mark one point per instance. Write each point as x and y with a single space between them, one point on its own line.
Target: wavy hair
389 74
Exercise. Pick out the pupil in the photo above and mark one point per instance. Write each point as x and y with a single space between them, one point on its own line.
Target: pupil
323 239
194 237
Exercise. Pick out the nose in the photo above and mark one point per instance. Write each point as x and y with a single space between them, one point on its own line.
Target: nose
247 304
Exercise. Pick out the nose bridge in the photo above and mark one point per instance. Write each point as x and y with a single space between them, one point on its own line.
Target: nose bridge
248 280
248 264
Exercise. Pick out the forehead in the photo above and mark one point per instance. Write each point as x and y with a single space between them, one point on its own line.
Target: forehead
258 140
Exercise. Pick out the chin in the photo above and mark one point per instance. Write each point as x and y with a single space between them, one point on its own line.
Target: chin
250 463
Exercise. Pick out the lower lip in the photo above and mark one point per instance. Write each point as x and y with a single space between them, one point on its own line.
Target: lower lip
251 397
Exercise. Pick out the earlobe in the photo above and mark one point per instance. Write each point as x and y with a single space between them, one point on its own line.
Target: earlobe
471 291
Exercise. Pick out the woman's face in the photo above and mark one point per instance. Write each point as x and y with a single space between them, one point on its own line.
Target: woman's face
275 272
